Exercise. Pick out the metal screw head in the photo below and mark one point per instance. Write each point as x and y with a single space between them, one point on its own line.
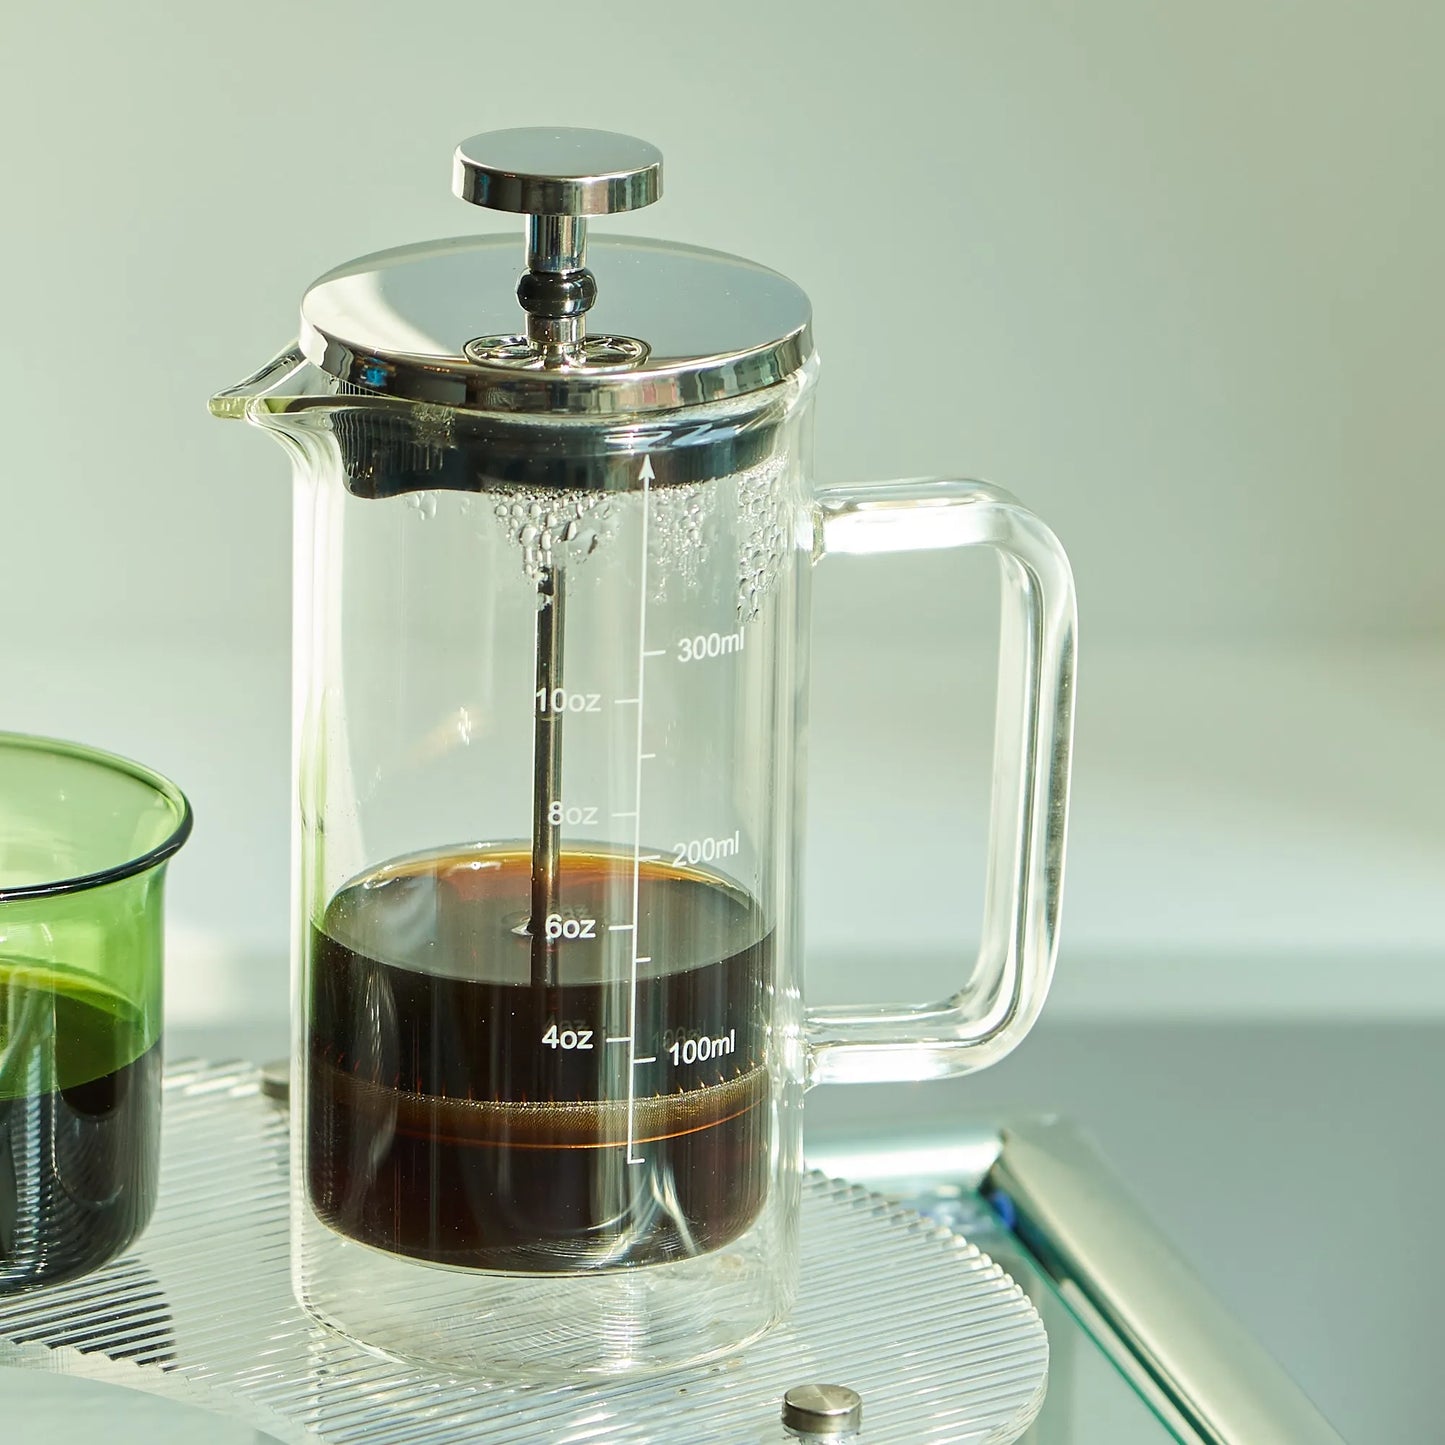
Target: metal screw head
822 1409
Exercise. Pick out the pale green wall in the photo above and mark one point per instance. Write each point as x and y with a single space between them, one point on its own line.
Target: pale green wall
1169 271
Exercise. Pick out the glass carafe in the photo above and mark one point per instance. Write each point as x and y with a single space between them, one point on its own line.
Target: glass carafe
553 541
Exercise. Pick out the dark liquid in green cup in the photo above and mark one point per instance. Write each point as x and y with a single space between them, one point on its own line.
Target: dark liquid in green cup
79 1125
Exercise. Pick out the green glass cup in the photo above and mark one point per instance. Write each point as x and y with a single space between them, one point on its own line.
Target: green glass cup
84 841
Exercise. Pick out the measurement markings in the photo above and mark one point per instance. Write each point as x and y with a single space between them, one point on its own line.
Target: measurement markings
620 927
699 1051
650 1059
707 850
710 644
644 476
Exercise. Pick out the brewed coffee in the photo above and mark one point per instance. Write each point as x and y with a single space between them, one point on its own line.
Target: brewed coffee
460 1114
79 1126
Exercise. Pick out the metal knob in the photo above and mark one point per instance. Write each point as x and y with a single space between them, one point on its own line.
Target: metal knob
533 171
556 178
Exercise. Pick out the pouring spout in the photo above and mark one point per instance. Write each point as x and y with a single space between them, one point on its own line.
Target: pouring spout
283 377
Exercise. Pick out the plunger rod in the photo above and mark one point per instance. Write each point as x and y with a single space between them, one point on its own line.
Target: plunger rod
546 772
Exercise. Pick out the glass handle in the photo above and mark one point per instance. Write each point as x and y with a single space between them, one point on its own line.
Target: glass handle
1002 995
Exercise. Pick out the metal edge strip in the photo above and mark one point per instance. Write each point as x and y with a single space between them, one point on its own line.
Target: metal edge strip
1184 1352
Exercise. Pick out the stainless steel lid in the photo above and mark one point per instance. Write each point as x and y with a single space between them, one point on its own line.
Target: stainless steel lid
657 327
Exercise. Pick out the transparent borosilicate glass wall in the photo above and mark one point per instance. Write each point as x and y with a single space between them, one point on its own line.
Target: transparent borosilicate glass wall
549 1059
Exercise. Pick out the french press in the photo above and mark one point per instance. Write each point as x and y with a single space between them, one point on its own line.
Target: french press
551 662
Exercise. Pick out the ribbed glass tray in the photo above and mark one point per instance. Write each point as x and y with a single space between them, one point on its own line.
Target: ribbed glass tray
940 1343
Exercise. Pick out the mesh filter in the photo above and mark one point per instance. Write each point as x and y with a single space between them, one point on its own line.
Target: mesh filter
940 1343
